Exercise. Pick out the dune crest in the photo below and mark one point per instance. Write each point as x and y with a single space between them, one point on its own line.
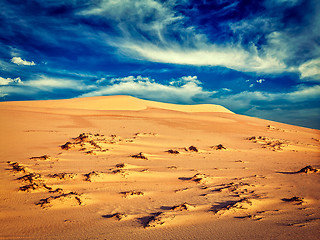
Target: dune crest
119 102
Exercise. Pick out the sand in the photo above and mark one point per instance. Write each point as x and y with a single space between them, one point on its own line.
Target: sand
124 168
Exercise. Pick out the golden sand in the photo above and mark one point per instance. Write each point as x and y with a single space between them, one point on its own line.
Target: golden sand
125 168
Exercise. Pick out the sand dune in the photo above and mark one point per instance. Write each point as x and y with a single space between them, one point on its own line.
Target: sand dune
115 103
124 168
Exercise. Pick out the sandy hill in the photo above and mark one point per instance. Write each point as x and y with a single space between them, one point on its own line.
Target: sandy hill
114 103
124 168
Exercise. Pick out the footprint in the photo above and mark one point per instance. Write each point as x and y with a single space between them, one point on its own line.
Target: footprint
16 167
304 223
219 147
182 207
34 183
90 143
308 169
199 178
117 216
296 200
43 158
89 176
250 216
269 143
225 207
158 219
71 198
35 186
172 167
193 149
128 194
173 151
63 176
120 165
140 156
181 190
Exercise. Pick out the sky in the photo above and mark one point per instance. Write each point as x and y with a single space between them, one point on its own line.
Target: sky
256 58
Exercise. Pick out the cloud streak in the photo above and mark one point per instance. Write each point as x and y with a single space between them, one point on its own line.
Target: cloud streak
310 69
208 55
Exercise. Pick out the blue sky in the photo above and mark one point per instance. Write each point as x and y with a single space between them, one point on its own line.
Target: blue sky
257 58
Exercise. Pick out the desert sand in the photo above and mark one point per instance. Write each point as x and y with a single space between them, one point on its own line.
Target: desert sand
123 168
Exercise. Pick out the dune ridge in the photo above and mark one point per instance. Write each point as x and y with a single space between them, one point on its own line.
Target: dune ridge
119 102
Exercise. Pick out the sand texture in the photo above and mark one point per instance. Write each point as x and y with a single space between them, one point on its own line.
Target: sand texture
124 168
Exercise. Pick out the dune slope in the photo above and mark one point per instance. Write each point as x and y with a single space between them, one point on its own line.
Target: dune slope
124 168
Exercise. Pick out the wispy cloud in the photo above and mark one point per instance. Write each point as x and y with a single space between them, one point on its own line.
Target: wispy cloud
43 87
50 83
20 61
282 2
158 32
207 55
310 69
2 94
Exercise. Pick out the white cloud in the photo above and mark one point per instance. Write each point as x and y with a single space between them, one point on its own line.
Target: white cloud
310 69
145 87
193 79
9 81
185 79
20 61
131 79
260 80
188 90
101 80
226 89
